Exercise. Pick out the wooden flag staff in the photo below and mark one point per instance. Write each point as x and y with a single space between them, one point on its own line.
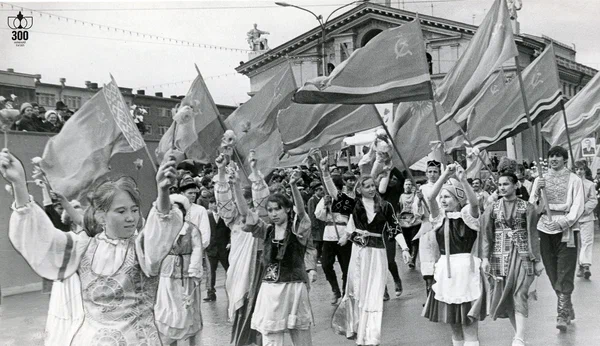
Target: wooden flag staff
533 135
562 106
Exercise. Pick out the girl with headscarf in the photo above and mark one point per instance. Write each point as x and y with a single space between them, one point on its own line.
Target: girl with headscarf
177 308
117 260
372 222
457 294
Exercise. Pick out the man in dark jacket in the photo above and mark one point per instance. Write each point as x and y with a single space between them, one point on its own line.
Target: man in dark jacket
218 248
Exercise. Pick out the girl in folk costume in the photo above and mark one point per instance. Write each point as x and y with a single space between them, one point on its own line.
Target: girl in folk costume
456 297
177 308
428 247
289 261
245 270
409 223
117 265
510 250
360 312
586 221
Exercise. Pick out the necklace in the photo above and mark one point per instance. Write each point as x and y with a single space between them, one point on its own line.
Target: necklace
508 217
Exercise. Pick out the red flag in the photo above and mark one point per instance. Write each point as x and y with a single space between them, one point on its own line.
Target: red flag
304 127
583 116
504 115
198 130
80 153
255 122
492 45
414 130
392 67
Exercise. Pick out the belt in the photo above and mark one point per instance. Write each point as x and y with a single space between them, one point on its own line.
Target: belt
368 234
339 223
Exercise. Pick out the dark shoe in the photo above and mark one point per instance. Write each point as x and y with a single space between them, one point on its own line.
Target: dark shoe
570 309
580 272
586 272
398 289
386 295
210 298
561 324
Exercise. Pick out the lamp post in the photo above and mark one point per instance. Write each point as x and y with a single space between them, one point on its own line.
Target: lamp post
322 24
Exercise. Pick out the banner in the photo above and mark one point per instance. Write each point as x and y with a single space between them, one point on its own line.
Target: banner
80 153
504 116
492 45
392 67
583 116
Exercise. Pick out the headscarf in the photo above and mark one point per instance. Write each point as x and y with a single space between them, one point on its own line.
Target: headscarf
457 190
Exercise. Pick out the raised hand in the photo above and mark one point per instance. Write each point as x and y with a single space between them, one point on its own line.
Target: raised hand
220 161
252 159
296 176
166 175
11 168
323 164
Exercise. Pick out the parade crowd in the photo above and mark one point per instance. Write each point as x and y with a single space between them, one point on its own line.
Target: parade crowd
478 244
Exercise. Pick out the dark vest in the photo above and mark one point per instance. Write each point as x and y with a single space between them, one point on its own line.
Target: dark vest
220 236
283 260
344 204
383 223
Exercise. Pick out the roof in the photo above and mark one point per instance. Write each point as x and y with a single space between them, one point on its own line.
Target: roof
312 36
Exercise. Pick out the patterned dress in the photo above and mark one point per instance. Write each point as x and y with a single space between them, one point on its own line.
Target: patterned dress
118 276
511 243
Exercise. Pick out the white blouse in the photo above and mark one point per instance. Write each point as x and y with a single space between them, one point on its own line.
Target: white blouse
55 255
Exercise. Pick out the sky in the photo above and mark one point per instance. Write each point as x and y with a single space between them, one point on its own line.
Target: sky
61 48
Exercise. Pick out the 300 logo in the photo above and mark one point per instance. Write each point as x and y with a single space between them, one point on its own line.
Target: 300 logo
20 24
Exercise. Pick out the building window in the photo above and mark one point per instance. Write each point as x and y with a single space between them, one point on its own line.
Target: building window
73 102
148 129
46 100
162 129
164 112
154 111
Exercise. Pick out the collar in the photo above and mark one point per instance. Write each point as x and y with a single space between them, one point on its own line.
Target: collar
102 236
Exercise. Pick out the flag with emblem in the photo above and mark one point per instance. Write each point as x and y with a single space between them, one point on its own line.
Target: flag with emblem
255 122
504 115
196 125
392 67
492 45
81 152
583 116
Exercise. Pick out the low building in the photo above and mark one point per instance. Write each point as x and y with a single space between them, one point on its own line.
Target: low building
30 88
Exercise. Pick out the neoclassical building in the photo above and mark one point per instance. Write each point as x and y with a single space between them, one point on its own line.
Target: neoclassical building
446 40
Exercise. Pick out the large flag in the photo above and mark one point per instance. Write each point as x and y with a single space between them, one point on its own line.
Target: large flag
492 45
304 127
414 130
80 153
583 116
198 132
496 118
255 122
392 67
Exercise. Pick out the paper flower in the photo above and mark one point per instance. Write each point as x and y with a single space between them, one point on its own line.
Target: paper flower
139 163
36 160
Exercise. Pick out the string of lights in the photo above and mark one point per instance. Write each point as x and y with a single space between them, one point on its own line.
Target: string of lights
268 5
132 33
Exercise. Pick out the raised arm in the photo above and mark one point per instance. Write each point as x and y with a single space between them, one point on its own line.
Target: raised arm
260 189
162 224
298 200
471 195
76 216
51 253
226 206
327 181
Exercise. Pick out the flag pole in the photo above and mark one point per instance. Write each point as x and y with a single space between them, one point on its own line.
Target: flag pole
151 159
532 133
564 112
410 176
471 143
437 128
235 152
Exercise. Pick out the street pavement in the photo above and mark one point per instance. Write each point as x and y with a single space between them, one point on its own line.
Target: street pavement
22 317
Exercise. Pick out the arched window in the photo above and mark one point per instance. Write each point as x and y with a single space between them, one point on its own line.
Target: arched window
430 63
369 35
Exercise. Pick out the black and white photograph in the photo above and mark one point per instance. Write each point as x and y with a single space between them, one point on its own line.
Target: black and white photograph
299 172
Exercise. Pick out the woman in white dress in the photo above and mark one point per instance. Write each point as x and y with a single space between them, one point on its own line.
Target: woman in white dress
117 264
373 221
